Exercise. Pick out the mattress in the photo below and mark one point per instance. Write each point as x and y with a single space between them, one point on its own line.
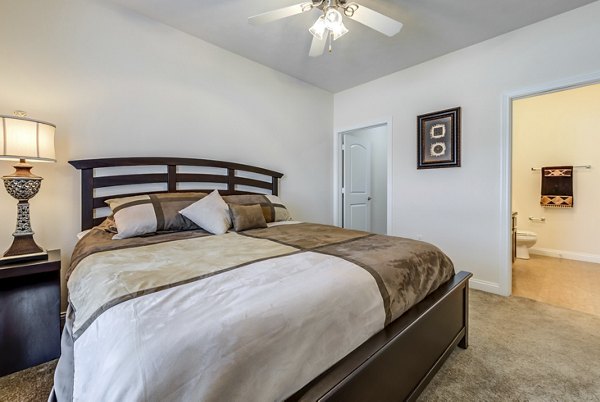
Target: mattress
250 316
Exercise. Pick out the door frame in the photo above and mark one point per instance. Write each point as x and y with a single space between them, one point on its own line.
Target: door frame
508 97
338 169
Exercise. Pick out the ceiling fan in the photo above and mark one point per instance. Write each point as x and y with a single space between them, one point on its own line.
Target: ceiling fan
330 25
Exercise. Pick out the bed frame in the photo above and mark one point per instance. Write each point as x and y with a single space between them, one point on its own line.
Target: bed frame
395 364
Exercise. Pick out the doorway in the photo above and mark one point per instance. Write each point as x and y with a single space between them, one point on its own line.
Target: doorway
363 189
506 273
554 144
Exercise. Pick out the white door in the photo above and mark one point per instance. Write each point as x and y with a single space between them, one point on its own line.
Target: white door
356 190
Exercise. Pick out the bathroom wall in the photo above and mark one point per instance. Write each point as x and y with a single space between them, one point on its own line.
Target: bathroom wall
560 128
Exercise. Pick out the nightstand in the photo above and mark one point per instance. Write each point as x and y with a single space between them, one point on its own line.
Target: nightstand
29 313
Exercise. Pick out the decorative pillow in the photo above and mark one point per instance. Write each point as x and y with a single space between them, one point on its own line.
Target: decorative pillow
246 217
271 205
151 213
210 213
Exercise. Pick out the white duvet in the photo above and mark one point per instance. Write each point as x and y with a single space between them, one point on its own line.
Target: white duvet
256 333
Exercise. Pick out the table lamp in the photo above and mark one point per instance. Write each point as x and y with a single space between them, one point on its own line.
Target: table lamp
24 140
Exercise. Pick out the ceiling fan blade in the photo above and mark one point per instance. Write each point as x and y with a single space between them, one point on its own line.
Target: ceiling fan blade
317 46
373 19
280 13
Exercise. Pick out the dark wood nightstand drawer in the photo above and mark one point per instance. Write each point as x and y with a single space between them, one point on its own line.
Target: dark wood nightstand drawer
29 313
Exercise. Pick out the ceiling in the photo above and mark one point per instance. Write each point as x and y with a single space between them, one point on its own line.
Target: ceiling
431 28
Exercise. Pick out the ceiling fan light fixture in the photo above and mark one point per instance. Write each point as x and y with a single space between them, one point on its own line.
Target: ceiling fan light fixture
318 28
339 31
330 21
330 25
332 17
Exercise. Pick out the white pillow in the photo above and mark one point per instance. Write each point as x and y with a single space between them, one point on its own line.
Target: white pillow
211 213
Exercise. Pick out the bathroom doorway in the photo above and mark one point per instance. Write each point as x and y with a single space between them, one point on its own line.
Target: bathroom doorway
554 194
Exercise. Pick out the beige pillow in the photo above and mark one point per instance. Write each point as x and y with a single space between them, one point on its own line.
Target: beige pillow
246 217
151 213
210 213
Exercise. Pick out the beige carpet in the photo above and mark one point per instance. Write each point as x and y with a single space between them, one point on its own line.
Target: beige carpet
33 384
520 350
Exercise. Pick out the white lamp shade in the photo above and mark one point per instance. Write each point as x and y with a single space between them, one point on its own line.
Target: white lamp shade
339 31
22 138
318 29
331 21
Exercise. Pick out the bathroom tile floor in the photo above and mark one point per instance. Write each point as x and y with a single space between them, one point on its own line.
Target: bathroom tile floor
560 282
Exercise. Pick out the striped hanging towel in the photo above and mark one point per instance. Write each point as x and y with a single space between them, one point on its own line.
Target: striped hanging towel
557 187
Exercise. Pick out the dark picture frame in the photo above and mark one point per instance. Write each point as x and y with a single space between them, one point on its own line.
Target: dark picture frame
438 139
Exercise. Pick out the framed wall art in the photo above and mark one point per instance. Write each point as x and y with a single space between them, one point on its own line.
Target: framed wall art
438 139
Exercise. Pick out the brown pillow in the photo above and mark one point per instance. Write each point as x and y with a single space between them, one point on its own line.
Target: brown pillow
246 217
272 206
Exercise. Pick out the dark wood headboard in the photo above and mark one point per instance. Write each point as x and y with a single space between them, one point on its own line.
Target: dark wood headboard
89 182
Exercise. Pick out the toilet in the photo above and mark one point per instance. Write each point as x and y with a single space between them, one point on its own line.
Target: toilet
525 240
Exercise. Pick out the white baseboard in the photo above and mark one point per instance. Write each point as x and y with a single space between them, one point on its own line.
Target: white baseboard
568 255
490 287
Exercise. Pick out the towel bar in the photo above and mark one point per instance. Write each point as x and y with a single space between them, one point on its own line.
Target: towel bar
577 167
542 219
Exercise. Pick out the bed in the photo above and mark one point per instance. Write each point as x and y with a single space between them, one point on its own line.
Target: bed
295 311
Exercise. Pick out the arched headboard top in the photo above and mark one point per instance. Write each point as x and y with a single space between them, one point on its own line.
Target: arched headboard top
231 179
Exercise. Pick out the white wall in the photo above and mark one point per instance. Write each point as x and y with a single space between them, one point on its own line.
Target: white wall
459 209
561 128
118 84
377 137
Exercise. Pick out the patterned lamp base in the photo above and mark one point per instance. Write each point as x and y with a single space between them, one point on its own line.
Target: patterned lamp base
23 186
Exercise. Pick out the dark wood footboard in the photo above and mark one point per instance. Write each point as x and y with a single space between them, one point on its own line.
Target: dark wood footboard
397 363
